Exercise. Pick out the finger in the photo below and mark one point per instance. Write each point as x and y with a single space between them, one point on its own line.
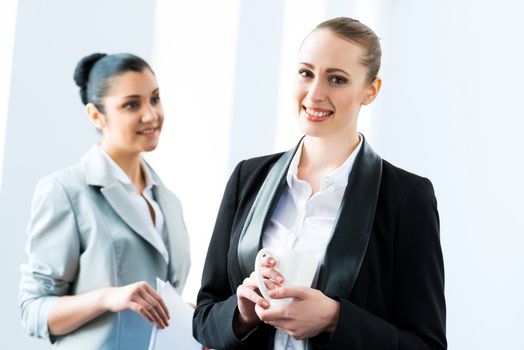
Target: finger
272 274
159 300
250 282
246 293
298 292
253 285
268 261
269 315
140 299
271 284
142 311
155 306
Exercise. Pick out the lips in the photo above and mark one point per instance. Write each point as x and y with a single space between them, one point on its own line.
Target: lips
317 114
148 131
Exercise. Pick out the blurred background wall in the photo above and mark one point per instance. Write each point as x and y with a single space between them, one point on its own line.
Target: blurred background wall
450 109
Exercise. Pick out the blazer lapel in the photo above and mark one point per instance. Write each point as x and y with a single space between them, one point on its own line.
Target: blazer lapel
350 237
98 173
348 244
117 197
264 204
178 242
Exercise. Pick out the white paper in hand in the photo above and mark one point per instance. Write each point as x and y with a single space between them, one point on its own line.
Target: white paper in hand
179 334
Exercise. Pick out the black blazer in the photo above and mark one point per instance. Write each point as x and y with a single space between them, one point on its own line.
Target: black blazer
389 279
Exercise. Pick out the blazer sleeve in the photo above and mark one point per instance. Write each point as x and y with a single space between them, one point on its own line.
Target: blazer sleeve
53 252
419 310
217 301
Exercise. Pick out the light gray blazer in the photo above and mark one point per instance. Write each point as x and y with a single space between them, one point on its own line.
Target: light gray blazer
84 234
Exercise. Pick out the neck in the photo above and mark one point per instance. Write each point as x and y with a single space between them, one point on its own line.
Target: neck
129 163
326 154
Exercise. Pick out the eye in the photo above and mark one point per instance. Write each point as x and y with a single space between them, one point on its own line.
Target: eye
305 73
337 80
131 105
155 100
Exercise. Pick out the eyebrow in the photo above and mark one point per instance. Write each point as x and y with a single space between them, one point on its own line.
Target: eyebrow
328 70
138 96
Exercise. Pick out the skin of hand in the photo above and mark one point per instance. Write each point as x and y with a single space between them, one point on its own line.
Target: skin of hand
73 311
248 295
141 298
310 313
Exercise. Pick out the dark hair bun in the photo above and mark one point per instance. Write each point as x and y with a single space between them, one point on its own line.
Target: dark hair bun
82 70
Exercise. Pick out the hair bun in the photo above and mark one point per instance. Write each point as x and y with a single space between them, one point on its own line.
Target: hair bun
82 70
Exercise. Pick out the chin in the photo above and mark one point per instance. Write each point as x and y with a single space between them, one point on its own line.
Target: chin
314 130
149 148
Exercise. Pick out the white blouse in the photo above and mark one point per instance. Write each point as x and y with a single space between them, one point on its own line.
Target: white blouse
305 223
140 200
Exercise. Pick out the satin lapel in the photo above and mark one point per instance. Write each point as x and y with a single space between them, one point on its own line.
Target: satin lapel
178 246
117 197
262 207
348 244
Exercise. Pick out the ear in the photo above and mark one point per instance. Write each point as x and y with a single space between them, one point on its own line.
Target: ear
373 90
98 119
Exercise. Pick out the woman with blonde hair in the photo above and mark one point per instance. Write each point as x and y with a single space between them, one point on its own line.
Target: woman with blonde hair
373 226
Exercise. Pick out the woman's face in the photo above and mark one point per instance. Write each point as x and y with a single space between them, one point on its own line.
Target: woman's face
133 115
331 85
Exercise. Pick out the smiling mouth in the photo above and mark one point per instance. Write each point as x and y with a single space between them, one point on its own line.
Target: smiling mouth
316 115
148 131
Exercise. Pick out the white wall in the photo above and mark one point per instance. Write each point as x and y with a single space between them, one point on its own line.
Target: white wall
7 28
449 110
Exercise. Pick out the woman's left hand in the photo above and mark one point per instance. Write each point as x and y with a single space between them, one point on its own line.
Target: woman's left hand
310 313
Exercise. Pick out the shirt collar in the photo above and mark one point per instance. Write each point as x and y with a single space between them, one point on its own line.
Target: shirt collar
121 175
335 180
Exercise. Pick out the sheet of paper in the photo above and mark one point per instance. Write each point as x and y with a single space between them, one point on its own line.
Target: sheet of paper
179 334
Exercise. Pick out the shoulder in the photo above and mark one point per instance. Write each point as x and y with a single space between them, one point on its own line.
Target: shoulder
258 164
252 172
70 180
399 185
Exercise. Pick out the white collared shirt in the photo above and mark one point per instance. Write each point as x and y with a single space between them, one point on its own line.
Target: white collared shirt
139 201
305 223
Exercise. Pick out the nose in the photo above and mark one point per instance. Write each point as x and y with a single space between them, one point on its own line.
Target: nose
151 114
317 91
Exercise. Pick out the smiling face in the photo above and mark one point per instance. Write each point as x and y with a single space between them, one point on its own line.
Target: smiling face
331 85
133 115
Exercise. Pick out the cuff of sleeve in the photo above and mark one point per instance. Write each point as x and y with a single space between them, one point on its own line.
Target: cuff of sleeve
250 333
250 338
46 304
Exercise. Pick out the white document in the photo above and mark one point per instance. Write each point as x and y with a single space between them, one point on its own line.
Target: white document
179 334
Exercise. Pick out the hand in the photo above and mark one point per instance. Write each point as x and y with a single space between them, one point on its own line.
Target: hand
310 313
140 298
248 295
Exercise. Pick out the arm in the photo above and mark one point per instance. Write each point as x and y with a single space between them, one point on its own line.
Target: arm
73 311
54 251
418 300
217 312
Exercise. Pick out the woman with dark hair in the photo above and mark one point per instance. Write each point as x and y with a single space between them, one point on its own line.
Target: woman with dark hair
102 231
374 227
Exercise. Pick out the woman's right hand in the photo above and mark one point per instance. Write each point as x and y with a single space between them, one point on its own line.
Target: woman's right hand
139 297
248 295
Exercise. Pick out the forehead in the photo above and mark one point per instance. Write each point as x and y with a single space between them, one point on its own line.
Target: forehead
132 83
323 49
